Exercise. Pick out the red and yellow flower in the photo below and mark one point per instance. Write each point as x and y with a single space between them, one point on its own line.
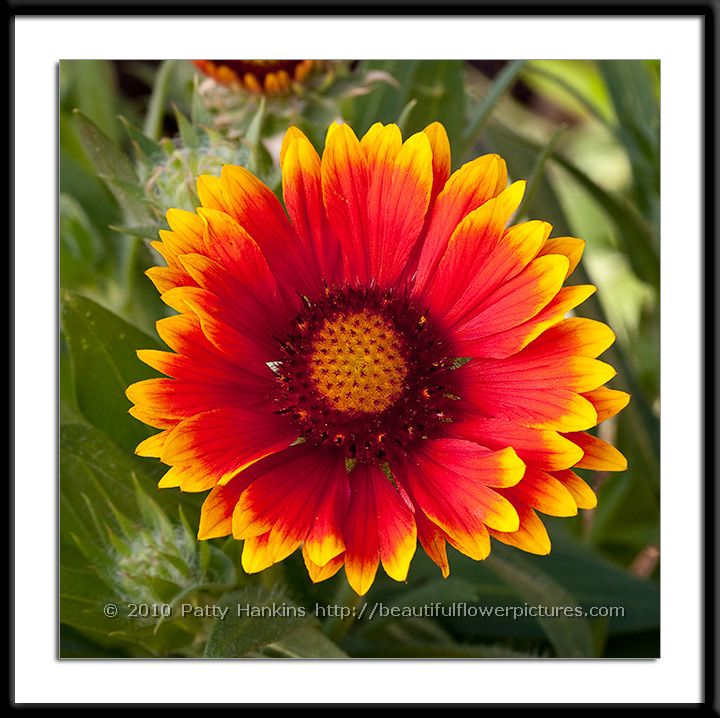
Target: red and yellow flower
382 361
262 77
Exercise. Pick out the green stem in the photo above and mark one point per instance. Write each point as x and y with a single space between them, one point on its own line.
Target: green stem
405 115
538 170
156 107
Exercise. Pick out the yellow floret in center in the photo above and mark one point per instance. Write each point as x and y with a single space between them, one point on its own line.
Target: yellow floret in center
358 362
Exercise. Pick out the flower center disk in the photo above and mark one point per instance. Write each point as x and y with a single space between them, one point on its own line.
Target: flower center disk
363 370
358 362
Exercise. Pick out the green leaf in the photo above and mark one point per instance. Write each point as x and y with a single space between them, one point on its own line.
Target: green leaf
150 231
629 83
480 114
79 180
385 101
199 114
93 465
119 546
254 132
631 87
102 352
306 642
570 636
437 650
251 635
109 161
73 644
436 86
156 106
188 134
625 521
425 593
573 566
105 155
416 637
83 596
138 300
129 191
65 374
538 172
94 89
570 83
81 249
145 147
439 95
636 237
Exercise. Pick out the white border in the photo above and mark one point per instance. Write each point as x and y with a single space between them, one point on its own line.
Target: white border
39 677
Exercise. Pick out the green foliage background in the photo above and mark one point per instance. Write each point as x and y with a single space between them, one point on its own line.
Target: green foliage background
132 138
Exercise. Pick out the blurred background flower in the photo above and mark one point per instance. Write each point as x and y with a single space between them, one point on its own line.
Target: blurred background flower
133 137
269 77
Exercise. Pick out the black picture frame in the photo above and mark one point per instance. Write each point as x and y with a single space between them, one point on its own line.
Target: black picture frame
708 12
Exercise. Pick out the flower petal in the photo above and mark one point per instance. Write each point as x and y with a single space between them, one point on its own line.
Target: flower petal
432 539
570 247
238 193
376 194
537 389
532 536
440 146
540 448
296 494
171 400
257 553
318 253
187 232
466 189
456 494
528 370
379 527
324 539
345 187
607 402
232 247
217 509
190 478
252 312
322 573
514 301
598 454
510 341
573 336
583 495
186 236
430 536
223 442
476 260
211 193
152 446
238 338
292 133
399 188
166 278
198 360
543 492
